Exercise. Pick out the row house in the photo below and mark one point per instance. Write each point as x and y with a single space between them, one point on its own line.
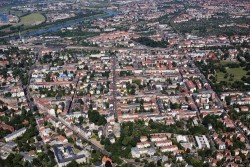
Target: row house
163 143
158 138
170 148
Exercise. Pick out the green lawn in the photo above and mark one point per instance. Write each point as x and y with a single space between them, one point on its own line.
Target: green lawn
32 19
237 72
76 151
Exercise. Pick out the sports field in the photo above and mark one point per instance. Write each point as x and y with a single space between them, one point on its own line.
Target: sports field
32 19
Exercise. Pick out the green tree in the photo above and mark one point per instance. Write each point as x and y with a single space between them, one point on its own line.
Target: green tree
73 163
228 100
80 119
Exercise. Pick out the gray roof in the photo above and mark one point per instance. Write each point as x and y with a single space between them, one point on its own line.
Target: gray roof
14 133
27 157
60 155
11 144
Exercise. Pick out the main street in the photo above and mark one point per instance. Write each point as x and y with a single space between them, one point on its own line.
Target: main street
114 84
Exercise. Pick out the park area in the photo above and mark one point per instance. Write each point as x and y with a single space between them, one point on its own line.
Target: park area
32 19
234 73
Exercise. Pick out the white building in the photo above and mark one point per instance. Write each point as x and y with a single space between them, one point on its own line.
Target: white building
14 135
136 152
181 138
202 142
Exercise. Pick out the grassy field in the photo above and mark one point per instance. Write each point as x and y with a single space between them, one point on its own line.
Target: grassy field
76 150
32 19
237 72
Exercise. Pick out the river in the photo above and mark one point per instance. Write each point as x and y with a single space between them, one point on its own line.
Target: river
63 25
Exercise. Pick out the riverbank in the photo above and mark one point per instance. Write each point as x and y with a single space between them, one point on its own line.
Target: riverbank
52 28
